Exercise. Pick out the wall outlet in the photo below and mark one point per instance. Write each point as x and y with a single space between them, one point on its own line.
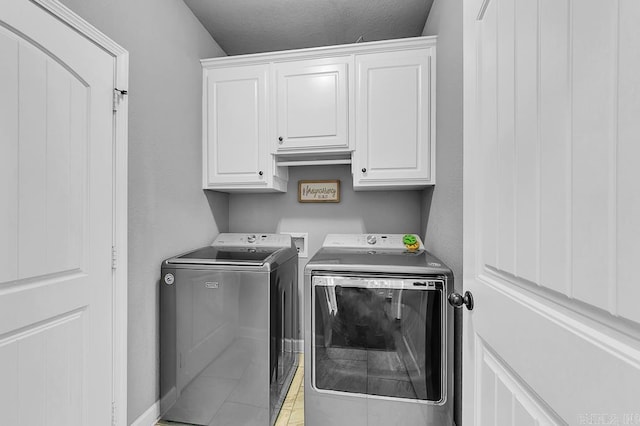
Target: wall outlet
301 241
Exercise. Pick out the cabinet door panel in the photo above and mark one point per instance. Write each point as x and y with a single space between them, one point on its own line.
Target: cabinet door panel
306 119
394 119
312 105
236 126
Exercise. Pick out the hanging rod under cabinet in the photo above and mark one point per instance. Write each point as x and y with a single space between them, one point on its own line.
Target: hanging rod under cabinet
313 162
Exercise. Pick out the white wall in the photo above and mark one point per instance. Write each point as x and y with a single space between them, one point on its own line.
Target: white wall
442 205
442 219
357 212
168 212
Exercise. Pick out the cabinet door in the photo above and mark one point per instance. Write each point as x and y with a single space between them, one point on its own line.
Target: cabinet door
312 105
235 129
395 132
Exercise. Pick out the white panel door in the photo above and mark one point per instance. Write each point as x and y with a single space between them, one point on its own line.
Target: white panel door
56 222
236 127
395 121
312 105
551 201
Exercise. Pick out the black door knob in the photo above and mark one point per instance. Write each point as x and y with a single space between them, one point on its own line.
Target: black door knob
280 138
456 300
260 173
364 170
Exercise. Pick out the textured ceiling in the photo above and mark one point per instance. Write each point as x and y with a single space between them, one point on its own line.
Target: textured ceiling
252 26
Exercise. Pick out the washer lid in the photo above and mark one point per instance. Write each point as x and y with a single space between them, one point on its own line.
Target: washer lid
237 249
248 256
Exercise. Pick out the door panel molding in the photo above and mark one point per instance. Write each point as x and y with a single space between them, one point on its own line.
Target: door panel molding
483 9
44 355
560 301
624 347
520 404
40 327
553 350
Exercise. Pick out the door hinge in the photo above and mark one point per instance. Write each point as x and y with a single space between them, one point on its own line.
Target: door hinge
117 97
114 257
114 422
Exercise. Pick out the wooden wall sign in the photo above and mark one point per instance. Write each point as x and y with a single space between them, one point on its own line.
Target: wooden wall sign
318 191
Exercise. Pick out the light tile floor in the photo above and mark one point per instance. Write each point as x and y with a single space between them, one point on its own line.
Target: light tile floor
292 411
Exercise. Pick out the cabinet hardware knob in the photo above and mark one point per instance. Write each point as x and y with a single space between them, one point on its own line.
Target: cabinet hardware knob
457 300
364 170
280 139
260 173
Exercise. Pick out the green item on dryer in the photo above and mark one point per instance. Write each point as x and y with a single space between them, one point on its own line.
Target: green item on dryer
409 239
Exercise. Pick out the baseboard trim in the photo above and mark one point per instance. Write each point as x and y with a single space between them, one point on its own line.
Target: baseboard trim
298 345
149 417
167 401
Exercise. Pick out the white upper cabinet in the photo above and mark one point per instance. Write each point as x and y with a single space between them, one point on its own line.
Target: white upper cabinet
368 104
312 105
235 147
395 119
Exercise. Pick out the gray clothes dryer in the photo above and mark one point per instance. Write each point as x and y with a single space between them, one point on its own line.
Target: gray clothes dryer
228 324
378 333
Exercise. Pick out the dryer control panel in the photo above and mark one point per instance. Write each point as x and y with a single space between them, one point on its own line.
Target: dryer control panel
252 240
400 242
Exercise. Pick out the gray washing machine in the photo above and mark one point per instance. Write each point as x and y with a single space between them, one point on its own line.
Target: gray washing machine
378 333
228 323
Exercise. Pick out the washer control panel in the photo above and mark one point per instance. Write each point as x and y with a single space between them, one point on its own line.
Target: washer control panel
401 242
252 240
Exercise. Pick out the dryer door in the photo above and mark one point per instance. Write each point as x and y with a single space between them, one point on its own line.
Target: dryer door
379 336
